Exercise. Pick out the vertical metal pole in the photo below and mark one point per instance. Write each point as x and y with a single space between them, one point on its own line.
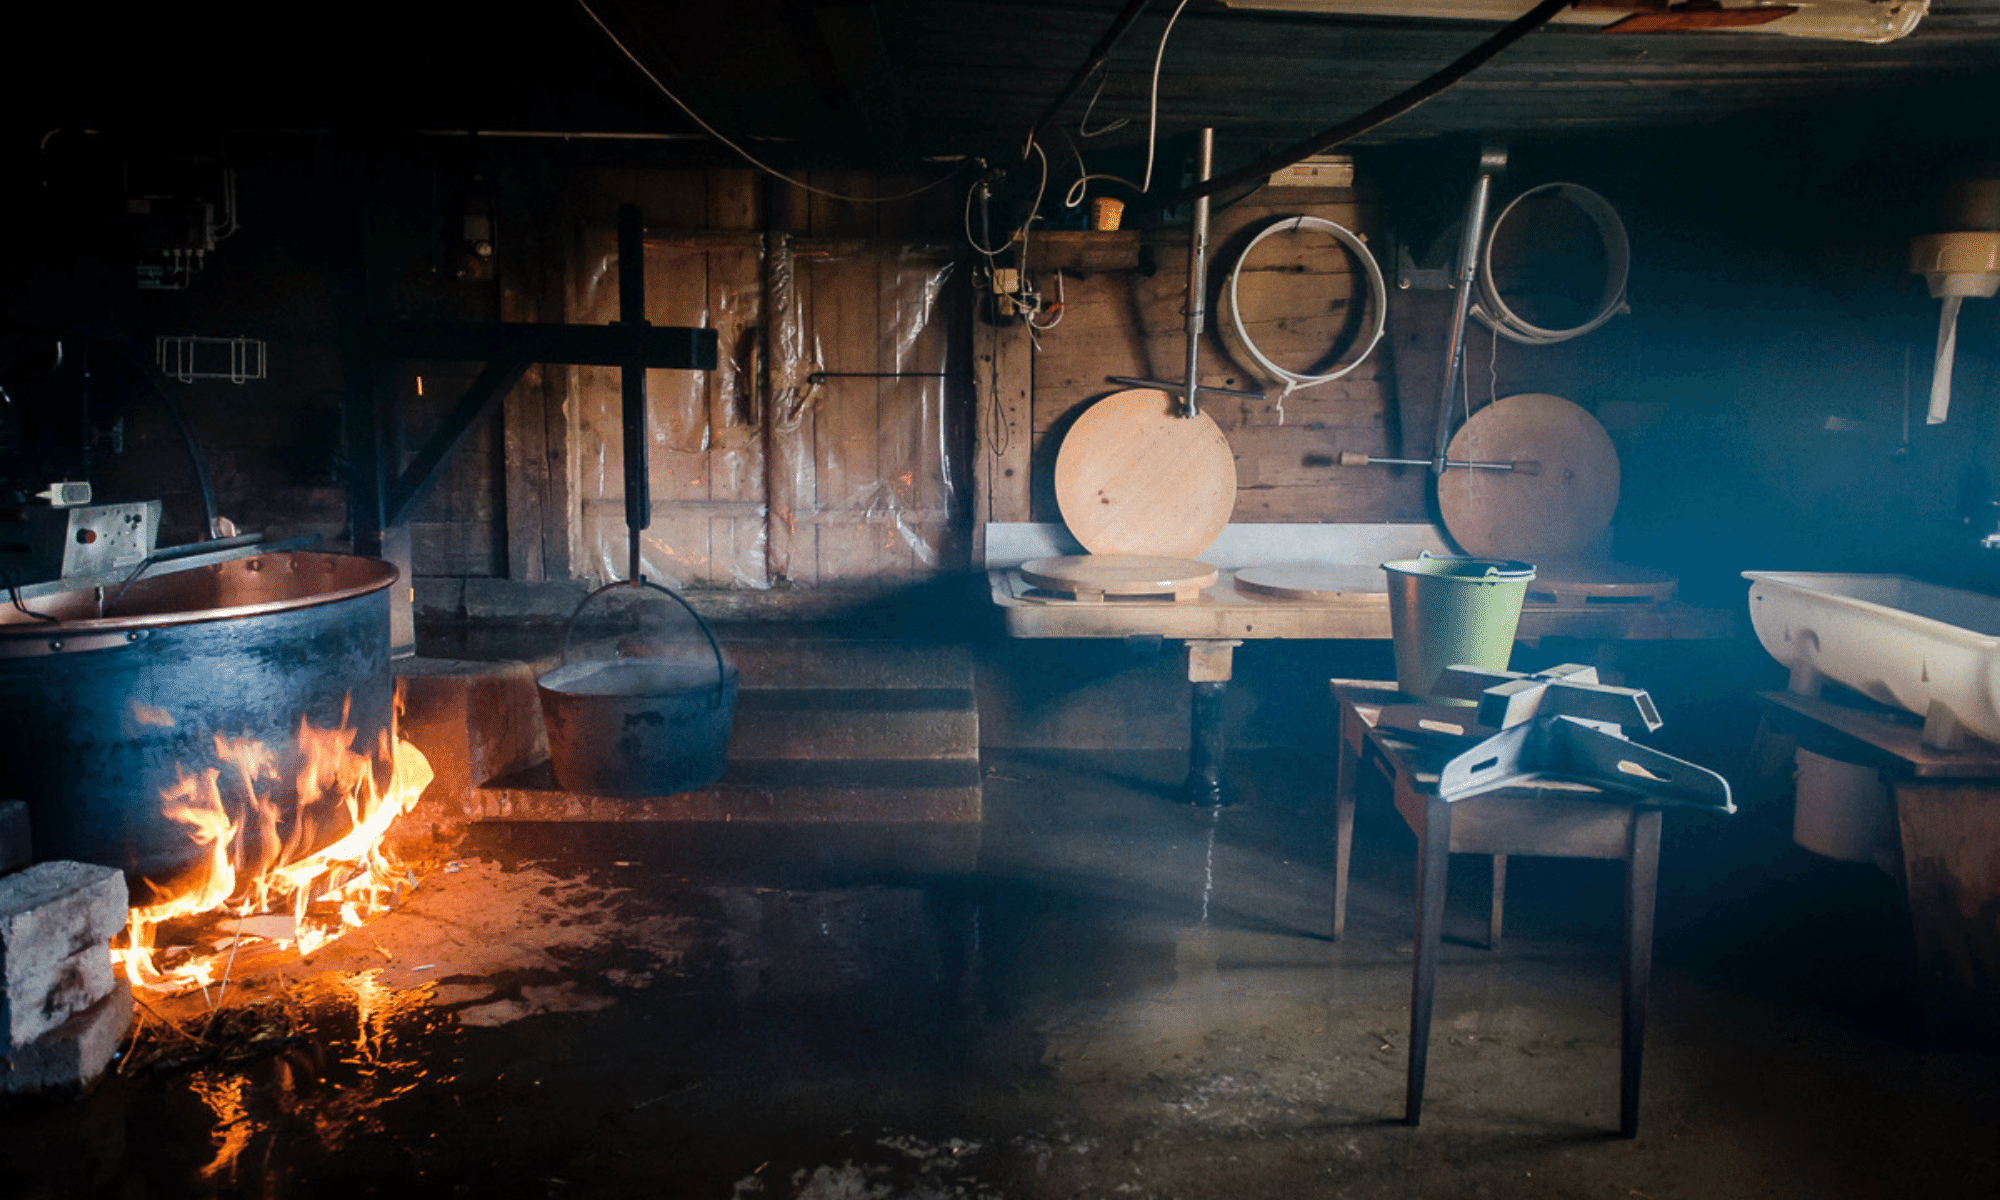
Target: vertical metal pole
632 380
1492 160
1197 281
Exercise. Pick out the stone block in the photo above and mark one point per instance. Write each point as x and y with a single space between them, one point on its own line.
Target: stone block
52 916
474 721
72 1055
15 849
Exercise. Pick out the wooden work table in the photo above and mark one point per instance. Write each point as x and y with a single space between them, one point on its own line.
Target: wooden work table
1223 617
1224 612
1554 818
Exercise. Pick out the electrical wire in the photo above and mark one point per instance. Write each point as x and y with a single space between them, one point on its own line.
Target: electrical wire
1073 198
1083 122
14 591
1153 104
1388 110
748 157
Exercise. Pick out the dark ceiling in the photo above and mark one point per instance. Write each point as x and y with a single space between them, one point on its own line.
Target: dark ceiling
892 82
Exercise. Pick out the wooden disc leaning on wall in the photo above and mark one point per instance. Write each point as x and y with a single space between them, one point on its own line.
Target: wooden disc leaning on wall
1134 476
1548 514
1092 577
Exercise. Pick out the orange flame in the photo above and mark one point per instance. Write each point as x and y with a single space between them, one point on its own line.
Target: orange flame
253 867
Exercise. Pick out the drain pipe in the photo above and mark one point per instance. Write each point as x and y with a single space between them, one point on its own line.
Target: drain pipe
1197 279
1492 160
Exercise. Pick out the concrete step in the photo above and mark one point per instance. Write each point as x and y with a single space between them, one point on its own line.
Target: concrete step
855 722
885 791
787 664
848 731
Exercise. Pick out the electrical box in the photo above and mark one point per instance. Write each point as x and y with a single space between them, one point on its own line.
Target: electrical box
39 544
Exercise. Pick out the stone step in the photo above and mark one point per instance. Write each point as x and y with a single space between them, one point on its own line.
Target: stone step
848 731
56 919
70 1057
786 664
855 722
887 791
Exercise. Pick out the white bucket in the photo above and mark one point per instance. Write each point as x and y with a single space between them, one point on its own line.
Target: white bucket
1843 811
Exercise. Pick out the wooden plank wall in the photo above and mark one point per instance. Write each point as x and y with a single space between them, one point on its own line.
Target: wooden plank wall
852 468
1301 296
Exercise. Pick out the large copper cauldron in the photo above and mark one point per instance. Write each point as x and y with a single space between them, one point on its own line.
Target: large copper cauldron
101 709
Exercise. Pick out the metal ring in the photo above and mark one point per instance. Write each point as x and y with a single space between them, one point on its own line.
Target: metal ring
1493 312
1378 290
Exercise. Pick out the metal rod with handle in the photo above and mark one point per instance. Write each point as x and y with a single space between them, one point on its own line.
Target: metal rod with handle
1492 160
1168 386
632 381
1526 466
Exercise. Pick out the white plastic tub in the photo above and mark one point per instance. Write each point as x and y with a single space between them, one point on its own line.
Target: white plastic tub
1898 640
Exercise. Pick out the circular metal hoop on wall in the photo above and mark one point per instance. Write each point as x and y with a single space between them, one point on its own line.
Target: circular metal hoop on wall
1377 290
1493 311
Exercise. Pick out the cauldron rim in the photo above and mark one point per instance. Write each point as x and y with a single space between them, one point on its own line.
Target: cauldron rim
374 575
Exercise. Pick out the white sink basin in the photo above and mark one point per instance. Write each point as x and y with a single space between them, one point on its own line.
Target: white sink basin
1898 640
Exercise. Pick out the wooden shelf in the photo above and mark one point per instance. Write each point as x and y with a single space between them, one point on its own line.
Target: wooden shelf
1084 251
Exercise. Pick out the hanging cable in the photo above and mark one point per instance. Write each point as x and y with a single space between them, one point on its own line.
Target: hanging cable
1153 104
1083 128
1091 63
1395 106
748 157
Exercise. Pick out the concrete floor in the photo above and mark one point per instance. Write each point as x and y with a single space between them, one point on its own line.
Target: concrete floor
1099 992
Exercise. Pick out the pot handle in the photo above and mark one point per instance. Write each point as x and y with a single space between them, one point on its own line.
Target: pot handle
715 647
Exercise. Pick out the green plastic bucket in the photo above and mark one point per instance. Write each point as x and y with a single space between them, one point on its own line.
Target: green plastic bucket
1446 612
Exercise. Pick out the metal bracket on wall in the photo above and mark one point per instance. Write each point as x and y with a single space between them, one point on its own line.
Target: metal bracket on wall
1423 279
237 359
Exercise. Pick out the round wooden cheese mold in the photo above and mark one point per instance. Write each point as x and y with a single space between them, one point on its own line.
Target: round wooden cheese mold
1583 584
1092 577
1549 515
1134 476
1311 583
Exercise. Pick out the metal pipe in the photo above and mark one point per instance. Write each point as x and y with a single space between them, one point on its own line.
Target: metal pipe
1492 160
1197 278
632 380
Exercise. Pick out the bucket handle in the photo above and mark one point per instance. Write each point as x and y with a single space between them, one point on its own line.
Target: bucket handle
715 647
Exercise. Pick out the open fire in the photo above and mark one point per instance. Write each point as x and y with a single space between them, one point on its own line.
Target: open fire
265 862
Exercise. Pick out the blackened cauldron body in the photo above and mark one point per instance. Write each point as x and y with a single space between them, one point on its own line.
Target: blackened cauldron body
103 712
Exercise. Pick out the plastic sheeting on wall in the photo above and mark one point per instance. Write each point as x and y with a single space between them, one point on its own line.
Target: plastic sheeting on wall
827 464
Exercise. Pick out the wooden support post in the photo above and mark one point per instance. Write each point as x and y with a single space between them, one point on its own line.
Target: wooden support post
784 409
1496 914
1642 878
1210 664
1433 864
1353 733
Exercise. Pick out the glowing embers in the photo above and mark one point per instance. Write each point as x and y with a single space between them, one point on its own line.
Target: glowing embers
293 840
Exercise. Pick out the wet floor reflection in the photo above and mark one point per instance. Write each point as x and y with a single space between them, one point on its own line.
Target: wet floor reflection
1100 991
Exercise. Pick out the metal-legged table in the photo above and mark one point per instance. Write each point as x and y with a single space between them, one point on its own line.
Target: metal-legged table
1555 819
